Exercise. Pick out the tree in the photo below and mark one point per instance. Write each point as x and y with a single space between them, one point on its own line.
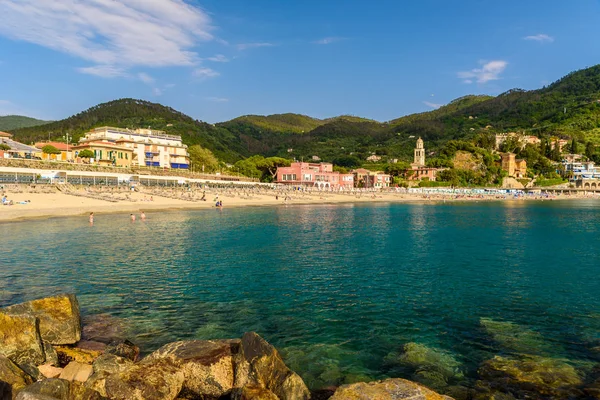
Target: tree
347 161
248 168
397 169
86 154
573 146
49 149
4 146
590 150
269 166
203 159
555 154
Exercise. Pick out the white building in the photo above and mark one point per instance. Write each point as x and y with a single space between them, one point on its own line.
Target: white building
151 148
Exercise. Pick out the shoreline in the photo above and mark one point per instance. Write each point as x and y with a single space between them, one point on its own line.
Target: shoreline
58 204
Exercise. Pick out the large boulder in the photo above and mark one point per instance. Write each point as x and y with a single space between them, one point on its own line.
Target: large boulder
57 389
123 348
66 354
207 365
59 319
267 369
111 364
159 379
15 378
389 389
20 339
253 393
529 377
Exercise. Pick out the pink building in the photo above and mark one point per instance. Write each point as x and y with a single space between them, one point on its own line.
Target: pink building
365 178
320 175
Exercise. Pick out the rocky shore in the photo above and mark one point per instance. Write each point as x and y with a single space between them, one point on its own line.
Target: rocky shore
43 356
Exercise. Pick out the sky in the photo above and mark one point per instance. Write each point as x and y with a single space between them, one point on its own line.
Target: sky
218 59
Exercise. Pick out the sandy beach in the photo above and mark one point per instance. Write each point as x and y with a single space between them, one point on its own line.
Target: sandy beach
46 202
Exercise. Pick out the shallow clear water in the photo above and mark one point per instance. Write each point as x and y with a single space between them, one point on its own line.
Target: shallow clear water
335 288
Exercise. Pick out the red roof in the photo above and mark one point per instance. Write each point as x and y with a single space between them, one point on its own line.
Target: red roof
59 145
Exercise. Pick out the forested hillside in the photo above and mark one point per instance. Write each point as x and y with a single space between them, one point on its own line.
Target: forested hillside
568 108
11 122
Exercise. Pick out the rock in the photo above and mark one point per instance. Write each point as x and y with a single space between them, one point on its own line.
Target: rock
66 354
6 392
253 393
389 389
267 369
530 377
516 338
159 379
13 377
51 354
103 328
432 367
97 382
111 364
79 392
46 389
50 371
124 348
91 345
59 318
20 339
207 365
76 372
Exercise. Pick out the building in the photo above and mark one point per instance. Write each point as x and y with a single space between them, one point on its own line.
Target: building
418 169
364 178
374 158
66 151
107 153
150 148
319 175
17 149
516 167
522 138
561 143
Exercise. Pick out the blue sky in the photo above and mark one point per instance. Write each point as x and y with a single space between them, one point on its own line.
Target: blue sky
218 59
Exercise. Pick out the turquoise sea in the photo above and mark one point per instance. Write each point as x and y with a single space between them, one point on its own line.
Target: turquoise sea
339 290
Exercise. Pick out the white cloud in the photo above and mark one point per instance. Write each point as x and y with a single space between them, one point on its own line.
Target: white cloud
103 71
144 77
218 58
113 35
328 40
489 71
540 37
157 91
432 105
217 99
205 73
245 46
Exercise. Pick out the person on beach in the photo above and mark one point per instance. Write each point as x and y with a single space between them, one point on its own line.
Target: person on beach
91 218
132 217
143 216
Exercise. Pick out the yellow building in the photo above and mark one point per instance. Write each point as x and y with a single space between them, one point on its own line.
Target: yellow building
107 153
66 151
516 167
150 148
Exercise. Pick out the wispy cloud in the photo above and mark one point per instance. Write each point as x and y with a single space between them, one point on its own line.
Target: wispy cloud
246 46
218 58
328 40
217 99
432 105
144 77
205 73
540 37
113 35
104 71
489 71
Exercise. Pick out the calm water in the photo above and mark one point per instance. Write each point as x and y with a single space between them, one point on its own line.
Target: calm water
335 288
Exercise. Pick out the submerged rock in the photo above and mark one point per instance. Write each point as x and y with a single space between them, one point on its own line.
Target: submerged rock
14 377
516 338
389 389
431 366
103 328
59 319
20 339
267 369
207 365
529 377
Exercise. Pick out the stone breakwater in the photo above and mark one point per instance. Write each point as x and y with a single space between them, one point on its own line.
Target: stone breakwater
43 357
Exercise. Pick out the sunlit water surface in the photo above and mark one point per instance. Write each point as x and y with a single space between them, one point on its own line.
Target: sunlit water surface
335 288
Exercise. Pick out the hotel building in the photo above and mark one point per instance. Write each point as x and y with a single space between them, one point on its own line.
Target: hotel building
139 147
320 175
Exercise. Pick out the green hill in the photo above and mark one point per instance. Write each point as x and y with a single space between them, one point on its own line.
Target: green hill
131 113
11 122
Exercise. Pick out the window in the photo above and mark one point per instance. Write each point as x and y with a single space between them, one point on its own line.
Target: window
307 177
289 177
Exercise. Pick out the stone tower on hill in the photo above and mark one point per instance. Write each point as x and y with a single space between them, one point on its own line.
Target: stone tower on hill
419 154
